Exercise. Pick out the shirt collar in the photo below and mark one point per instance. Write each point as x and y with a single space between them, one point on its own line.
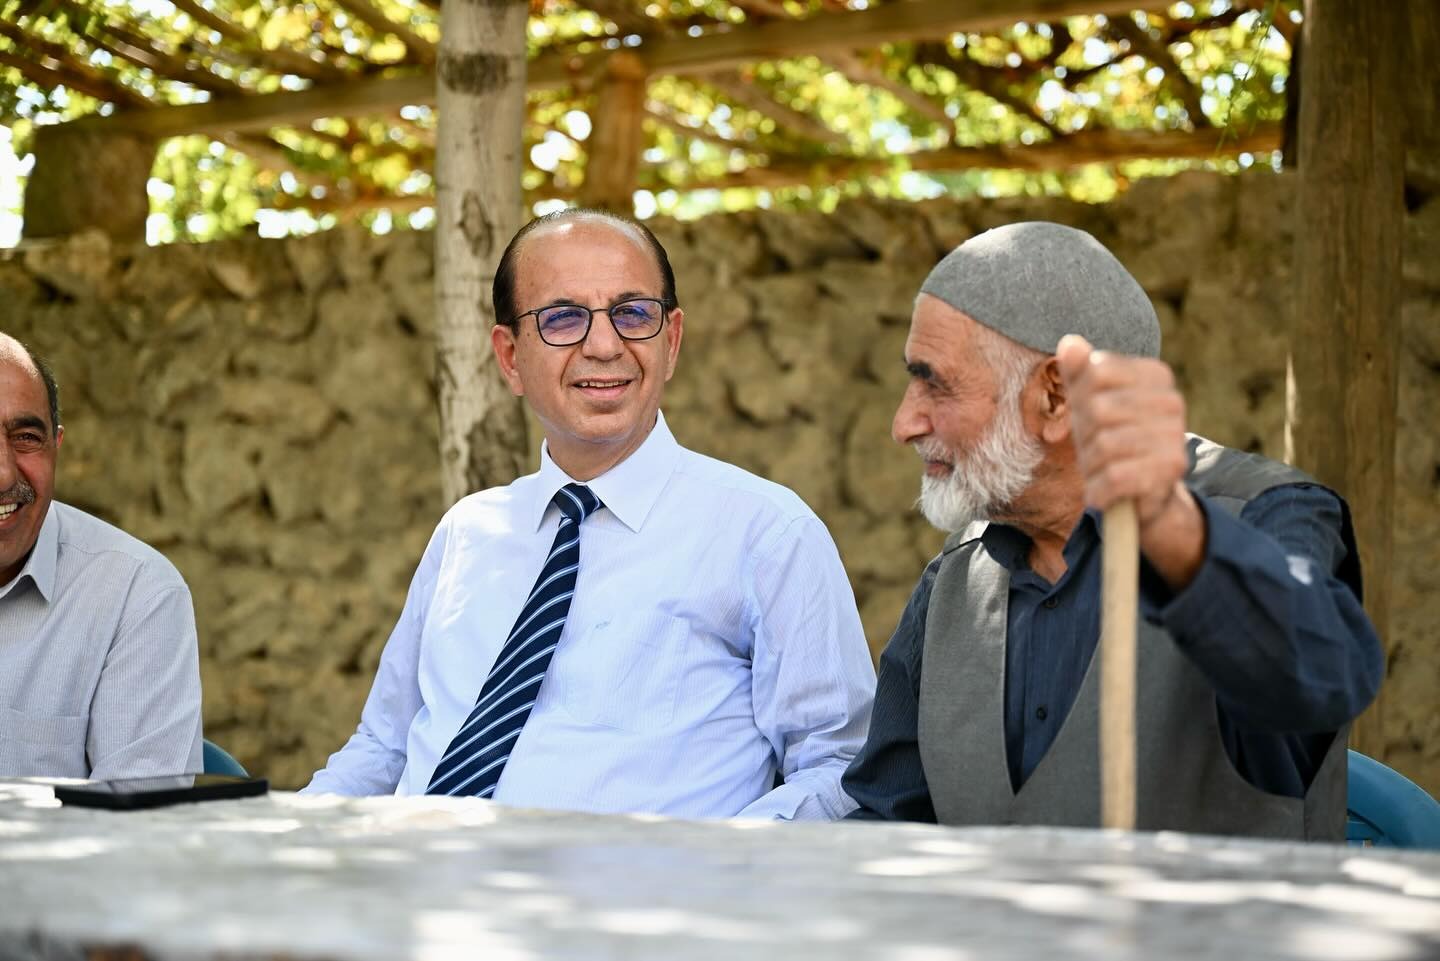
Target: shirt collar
1011 548
628 490
40 565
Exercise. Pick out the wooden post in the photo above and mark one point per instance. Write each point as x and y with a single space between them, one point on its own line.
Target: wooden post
1119 603
480 96
1422 98
89 179
1340 423
618 136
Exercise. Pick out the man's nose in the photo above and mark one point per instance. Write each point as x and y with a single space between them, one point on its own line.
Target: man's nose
9 470
602 342
910 423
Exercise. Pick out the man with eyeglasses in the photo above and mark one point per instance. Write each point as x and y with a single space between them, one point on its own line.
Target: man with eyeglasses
635 627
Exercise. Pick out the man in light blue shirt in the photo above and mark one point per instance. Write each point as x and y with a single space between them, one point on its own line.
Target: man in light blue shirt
99 668
704 641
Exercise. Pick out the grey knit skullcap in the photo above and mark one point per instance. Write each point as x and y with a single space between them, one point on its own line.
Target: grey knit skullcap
1036 282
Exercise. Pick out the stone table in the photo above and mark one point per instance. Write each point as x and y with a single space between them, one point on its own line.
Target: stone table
437 878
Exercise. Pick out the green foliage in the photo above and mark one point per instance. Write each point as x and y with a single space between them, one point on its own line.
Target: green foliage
1021 85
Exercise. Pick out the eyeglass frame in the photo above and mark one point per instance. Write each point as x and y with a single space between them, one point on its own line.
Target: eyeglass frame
590 313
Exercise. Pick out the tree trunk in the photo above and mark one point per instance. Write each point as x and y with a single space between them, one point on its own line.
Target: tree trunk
1349 220
88 179
618 137
1422 104
480 97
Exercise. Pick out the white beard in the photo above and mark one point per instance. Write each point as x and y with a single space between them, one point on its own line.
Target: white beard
984 481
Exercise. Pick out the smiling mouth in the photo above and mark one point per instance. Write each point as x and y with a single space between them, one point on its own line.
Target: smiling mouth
7 509
599 384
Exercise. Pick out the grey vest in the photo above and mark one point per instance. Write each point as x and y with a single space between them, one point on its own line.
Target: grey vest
1184 779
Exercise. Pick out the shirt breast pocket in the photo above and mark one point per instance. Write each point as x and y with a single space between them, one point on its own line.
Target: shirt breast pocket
629 678
42 745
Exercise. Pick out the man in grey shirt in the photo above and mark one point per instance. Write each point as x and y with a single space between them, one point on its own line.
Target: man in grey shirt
99 667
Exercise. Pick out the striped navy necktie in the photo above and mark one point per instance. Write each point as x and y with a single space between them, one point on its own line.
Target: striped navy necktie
477 754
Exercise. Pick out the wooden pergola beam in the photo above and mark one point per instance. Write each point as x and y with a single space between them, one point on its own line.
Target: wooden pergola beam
421 50
1074 150
857 70
625 15
761 9
679 54
280 60
275 156
993 82
892 23
258 113
58 66
665 114
750 95
425 135
54 75
1090 146
349 206
1157 52
141 51
352 140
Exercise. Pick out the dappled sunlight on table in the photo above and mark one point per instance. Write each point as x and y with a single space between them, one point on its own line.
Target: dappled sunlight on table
439 878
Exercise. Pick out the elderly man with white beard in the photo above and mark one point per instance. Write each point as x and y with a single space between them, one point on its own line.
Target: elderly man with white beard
1036 401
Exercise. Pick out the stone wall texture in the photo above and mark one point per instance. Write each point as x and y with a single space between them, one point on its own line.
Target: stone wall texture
263 412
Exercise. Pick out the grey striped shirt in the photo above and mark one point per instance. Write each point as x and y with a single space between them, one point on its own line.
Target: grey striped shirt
99 666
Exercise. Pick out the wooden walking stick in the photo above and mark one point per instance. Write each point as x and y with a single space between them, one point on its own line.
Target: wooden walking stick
1120 570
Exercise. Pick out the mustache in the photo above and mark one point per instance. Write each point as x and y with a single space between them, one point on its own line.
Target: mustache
19 492
933 450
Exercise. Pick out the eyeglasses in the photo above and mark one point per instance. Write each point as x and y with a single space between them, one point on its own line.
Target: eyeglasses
565 325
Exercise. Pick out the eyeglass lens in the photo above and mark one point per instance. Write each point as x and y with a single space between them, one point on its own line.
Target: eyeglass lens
566 324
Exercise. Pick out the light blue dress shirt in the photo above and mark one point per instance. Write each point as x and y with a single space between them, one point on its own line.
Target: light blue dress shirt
99 665
712 641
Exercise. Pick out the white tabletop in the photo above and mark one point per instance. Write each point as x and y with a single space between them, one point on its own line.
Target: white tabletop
429 879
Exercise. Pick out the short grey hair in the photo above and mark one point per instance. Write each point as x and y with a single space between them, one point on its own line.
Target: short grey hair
1011 361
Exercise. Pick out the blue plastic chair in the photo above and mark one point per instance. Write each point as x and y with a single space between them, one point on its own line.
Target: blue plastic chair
1387 809
218 761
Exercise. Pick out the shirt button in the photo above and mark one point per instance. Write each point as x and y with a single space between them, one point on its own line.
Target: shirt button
1041 714
1052 602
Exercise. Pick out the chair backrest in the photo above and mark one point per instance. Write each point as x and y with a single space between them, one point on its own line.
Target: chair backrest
218 761
1387 809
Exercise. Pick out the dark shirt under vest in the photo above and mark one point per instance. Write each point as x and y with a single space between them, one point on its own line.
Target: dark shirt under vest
1278 571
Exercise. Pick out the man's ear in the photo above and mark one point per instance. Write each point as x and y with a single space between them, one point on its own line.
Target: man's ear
1054 403
674 333
502 342
59 435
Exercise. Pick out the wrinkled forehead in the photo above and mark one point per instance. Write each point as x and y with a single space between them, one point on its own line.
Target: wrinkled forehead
937 323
